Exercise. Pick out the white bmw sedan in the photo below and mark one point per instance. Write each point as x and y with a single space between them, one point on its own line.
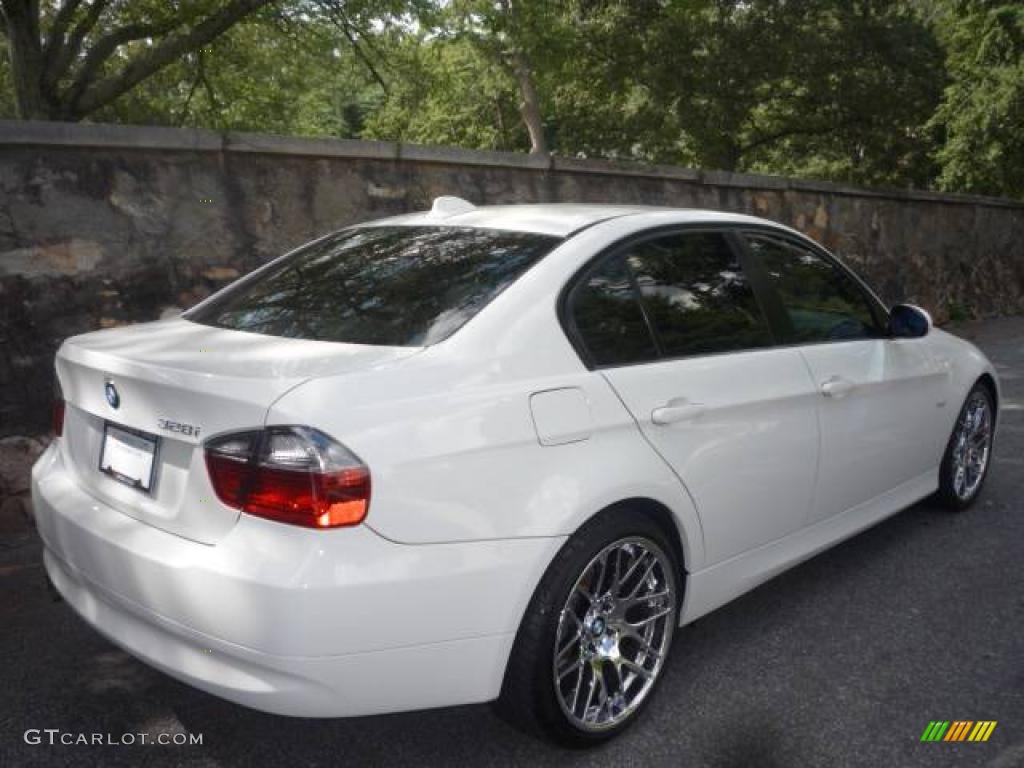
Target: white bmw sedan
494 453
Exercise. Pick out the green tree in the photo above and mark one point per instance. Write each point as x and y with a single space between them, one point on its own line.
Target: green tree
278 72
533 75
71 59
447 92
839 89
981 120
834 88
468 75
506 36
600 83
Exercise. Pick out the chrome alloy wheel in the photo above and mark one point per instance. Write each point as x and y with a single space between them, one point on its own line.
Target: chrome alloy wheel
971 446
614 633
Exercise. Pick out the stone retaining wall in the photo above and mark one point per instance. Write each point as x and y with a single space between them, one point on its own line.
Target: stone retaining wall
102 225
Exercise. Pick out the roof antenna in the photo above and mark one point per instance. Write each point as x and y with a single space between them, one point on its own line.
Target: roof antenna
447 205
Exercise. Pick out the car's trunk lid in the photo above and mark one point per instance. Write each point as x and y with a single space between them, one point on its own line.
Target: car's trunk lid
183 382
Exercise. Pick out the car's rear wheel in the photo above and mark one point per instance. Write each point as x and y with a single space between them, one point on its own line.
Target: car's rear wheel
969 452
596 636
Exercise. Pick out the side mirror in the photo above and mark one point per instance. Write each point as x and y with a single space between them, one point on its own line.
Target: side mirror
909 322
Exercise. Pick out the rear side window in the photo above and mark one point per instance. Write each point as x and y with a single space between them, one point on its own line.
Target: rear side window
389 286
608 318
673 296
821 301
697 296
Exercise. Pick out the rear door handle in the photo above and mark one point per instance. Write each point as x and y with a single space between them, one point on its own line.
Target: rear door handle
677 409
837 386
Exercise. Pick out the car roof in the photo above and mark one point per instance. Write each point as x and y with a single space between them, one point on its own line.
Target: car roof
558 219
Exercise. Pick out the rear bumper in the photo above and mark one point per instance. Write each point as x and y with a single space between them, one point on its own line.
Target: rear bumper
291 621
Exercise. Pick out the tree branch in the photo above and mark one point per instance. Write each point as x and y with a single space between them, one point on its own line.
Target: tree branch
104 49
61 20
68 52
211 94
88 98
191 91
347 28
785 133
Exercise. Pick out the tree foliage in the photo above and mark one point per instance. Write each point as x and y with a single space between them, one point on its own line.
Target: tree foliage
880 92
69 60
272 72
981 120
828 88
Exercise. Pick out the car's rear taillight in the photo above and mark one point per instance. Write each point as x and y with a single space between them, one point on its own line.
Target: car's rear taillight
57 411
295 475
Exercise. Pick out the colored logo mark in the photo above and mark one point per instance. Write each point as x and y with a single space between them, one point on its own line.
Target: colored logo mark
113 398
958 730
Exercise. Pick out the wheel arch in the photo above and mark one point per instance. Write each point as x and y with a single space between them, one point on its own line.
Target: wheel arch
988 381
662 516
667 522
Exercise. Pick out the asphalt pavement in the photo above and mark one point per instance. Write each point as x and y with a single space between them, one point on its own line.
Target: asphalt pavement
842 661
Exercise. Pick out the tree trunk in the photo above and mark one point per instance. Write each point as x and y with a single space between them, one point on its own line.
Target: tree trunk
529 101
529 104
26 57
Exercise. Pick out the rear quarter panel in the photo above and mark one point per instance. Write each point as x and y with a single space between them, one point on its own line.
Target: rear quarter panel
454 454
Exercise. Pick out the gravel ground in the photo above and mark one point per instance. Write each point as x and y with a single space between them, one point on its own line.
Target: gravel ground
840 662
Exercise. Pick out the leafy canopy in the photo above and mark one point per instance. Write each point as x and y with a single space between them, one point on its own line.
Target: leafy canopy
878 92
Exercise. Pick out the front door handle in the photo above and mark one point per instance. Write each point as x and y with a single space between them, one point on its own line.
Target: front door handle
677 409
837 386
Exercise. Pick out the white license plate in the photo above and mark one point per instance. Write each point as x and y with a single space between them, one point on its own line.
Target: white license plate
129 456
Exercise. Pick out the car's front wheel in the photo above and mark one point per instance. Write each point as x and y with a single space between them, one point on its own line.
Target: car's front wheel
596 636
965 463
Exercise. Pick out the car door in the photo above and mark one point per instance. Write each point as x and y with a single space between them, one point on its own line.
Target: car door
671 321
879 396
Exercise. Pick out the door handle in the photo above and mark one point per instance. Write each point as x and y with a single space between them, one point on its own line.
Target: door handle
837 386
677 409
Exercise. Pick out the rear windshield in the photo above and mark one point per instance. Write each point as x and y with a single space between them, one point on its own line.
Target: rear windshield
390 286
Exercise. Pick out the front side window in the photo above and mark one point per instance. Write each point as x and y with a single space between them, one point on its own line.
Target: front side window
696 295
390 286
821 301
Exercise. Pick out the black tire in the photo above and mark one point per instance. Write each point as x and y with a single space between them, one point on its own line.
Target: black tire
948 496
528 699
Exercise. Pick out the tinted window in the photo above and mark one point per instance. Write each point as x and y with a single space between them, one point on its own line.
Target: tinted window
822 302
696 295
393 286
608 317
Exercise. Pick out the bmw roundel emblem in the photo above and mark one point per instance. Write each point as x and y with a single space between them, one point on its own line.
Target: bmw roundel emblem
113 398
